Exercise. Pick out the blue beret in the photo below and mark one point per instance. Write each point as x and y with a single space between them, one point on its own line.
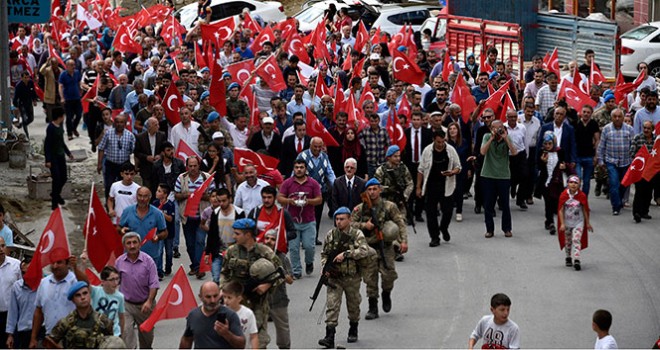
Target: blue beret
226 75
608 92
401 48
492 75
391 150
244 224
607 98
342 210
205 69
75 288
233 86
373 181
205 94
212 117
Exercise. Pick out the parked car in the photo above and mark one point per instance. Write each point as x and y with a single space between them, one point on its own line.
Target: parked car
220 9
641 44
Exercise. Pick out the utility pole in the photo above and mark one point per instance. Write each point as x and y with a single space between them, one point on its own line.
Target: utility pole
4 65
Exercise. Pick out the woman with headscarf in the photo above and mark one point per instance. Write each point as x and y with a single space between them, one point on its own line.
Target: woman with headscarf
37 50
107 38
351 148
472 66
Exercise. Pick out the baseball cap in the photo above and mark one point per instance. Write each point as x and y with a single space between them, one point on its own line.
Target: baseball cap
268 120
218 135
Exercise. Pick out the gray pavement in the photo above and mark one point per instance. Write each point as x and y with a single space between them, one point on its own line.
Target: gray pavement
442 292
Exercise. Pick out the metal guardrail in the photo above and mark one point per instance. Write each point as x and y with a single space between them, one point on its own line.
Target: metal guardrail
573 35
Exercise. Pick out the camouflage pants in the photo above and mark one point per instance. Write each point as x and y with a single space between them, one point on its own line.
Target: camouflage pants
375 266
349 285
261 309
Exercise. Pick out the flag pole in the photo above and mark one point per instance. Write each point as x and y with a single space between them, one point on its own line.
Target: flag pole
85 234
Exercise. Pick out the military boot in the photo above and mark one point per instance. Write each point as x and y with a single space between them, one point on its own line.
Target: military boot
329 340
387 301
373 309
353 332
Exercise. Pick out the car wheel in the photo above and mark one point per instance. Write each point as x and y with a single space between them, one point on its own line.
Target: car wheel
654 69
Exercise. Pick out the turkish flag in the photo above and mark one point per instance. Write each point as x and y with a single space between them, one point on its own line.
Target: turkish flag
53 246
636 168
406 70
251 23
367 95
286 26
200 61
359 66
176 301
240 72
89 95
83 15
348 63
361 37
53 53
150 235
203 265
546 60
463 97
553 63
184 151
55 8
192 204
281 243
270 71
172 103
39 92
254 107
447 66
494 101
171 30
596 77
92 277
263 163
652 166
316 129
294 46
124 43
507 104
405 109
395 130
485 66
321 88
574 96
101 237
264 35
218 98
160 12
356 116
218 32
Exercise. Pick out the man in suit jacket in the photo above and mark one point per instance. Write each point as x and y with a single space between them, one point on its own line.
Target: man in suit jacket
266 139
417 138
342 195
148 146
292 146
565 134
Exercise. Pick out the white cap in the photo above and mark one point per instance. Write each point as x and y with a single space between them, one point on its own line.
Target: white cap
268 120
218 135
84 38
374 56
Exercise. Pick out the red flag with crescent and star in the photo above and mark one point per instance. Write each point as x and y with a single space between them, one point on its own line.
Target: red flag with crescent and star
240 72
172 103
184 151
281 243
636 168
92 277
652 166
218 32
176 301
395 131
264 35
205 263
463 97
124 43
102 241
270 71
53 246
406 70
316 129
192 204
574 96
262 162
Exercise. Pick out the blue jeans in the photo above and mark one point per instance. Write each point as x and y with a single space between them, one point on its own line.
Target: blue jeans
195 241
306 235
496 188
216 266
615 175
169 244
585 168
177 226
159 258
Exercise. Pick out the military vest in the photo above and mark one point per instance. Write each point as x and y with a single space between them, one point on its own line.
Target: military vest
85 338
342 242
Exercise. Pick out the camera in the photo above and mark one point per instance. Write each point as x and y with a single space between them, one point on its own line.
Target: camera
500 131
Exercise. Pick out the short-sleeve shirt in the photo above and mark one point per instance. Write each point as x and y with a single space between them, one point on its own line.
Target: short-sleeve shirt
248 324
123 195
8 235
110 305
584 135
142 226
573 215
292 189
496 160
51 298
506 335
200 328
169 209
71 85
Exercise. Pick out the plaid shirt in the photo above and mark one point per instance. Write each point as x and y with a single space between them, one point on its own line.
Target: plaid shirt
639 141
545 99
375 144
614 146
117 149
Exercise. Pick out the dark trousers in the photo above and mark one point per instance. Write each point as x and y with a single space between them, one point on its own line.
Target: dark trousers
27 116
435 196
92 120
190 233
528 184
496 189
110 175
551 205
3 334
318 212
518 168
457 201
73 110
643 195
22 339
59 174
478 188
415 204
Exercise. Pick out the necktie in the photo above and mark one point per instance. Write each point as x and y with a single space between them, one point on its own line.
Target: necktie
350 192
416 152
299 148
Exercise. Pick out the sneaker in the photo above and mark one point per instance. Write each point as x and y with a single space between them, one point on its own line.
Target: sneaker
576 265
615 212
176 254
459 217
489 235
297 276
569 262
399 257
309 268
508 234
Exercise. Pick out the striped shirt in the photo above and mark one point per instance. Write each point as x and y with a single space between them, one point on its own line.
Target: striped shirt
117 148
545 99
639 141
614 146
375 144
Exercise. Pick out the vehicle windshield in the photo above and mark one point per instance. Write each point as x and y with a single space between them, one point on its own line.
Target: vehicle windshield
639 33
188 15
310 14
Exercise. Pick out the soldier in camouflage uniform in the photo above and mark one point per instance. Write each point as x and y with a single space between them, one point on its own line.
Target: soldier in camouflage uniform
603 116
83 328
236 267
345 245
362 219
235 106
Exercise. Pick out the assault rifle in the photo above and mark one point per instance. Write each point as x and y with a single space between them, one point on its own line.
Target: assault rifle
329 270
377 231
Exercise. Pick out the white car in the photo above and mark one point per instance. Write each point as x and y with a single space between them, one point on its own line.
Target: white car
641 44
220 9
394 16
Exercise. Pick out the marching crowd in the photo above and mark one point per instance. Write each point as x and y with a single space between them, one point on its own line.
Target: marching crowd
241 142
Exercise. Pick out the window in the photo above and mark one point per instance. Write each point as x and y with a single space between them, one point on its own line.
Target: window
639 33
234 8
656 39
415 18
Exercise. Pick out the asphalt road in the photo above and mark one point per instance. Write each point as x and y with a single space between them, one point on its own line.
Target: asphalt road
442 292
